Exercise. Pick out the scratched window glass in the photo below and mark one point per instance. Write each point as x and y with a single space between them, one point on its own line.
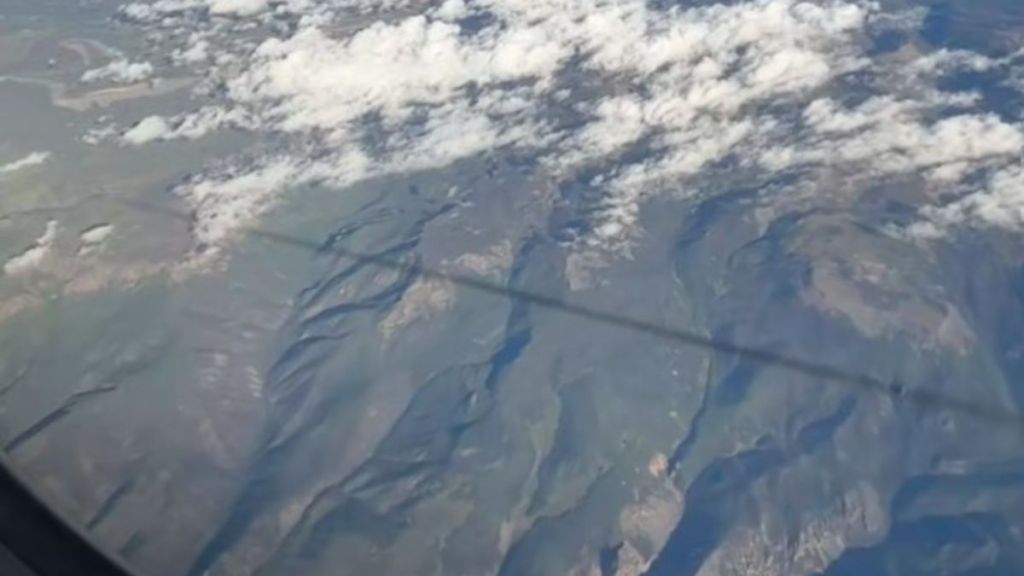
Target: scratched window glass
517 287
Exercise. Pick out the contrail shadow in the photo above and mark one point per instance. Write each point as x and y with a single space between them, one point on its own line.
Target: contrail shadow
929 399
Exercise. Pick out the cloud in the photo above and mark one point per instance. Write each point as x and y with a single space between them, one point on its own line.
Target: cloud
443 94
310 82
147 130
752 83
226 202
32 256
160 9
451 10
102 133
93 238
884 136
96 234
197 51
190 126
998 203
237 7
121 71
166 12
31 159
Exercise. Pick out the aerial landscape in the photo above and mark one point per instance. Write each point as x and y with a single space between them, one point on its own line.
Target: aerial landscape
518 287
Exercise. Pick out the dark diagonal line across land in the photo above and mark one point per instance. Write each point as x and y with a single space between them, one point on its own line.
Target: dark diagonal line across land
924 398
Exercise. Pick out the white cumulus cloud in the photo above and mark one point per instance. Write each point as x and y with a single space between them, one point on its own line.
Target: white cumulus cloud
121 71
753 83
27 161
31 257
189 126
998 203
237 7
